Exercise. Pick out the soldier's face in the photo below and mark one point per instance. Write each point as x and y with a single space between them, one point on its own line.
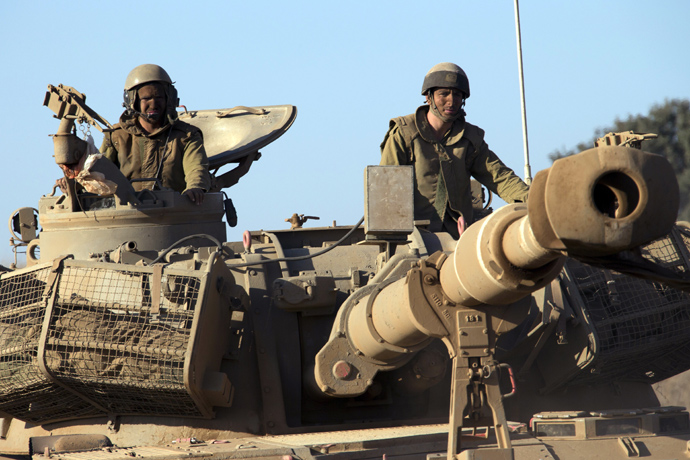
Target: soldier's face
152 102
448 100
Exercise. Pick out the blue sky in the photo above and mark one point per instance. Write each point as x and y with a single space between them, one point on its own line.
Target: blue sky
348 67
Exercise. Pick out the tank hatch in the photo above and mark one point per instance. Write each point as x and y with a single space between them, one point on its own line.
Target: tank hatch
232 134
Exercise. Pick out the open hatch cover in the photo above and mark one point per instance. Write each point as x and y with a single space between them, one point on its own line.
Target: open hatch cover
232 134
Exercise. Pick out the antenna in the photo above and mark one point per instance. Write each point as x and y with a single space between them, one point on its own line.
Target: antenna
528 172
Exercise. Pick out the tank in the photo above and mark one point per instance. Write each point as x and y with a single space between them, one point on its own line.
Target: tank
137 330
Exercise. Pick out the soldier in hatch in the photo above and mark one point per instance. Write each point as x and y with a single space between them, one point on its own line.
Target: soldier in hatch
150 142
445 151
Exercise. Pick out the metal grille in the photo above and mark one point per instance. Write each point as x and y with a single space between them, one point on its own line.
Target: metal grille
115 352
642 328
112 344
25 392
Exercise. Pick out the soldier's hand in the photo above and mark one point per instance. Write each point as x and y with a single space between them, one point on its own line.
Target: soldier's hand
195 194
71 171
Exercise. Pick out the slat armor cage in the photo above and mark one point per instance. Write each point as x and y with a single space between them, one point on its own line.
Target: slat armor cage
81 339
639 329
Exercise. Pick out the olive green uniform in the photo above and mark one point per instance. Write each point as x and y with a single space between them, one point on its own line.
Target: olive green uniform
174 154
443 168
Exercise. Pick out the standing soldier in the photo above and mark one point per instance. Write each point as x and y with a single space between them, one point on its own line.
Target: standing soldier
445 151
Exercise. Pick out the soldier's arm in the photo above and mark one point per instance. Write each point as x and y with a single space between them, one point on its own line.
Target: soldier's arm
195 164
488 169
108 149
394 151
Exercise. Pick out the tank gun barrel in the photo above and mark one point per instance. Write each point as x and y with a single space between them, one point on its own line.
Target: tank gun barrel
597 203
594 204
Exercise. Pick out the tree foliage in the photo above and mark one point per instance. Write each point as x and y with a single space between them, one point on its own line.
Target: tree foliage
671 122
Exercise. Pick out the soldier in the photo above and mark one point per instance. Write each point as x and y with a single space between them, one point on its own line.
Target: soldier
150 142
445 151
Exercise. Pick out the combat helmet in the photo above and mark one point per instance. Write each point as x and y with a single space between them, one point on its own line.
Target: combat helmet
446 75
149 73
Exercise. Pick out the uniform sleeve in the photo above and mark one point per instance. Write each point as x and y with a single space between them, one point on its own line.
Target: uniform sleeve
195 164
108 150
394 151
488 169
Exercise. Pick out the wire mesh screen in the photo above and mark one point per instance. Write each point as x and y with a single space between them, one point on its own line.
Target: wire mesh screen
117 338
115 352
642 327
25 392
